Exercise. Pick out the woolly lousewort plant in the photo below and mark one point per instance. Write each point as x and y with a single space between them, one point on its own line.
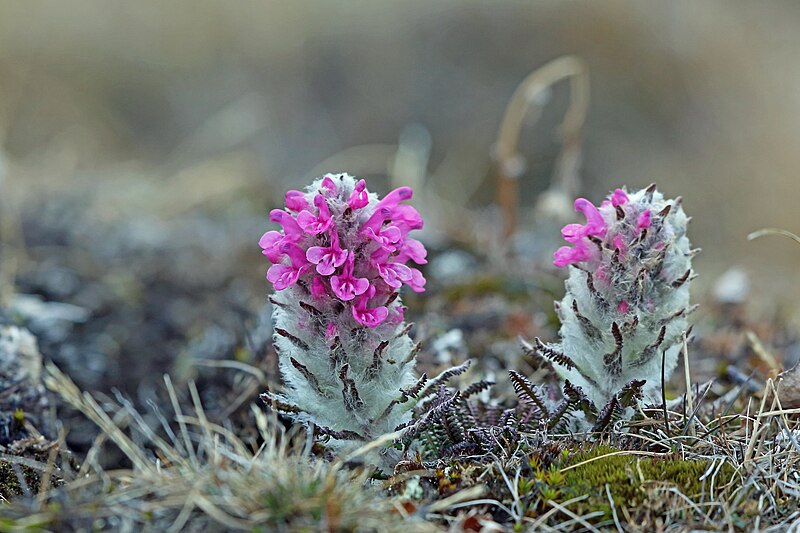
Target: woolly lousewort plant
338 265
625 310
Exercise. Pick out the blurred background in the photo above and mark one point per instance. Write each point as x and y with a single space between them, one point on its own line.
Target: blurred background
143 143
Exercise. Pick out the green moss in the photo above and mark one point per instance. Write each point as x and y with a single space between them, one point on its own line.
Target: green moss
9 481
631 479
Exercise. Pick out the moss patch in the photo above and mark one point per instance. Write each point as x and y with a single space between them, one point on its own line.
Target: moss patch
632 480
33 449
10 485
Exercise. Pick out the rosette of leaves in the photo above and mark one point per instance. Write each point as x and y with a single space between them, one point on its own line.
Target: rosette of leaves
453 423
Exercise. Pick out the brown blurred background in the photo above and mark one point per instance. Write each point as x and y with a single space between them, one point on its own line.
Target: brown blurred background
166 117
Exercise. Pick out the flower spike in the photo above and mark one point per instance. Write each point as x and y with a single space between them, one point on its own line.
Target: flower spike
338 264
627 295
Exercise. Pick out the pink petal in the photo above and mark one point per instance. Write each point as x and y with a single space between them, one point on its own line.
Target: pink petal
322 205
619 197
288 222
403 272
565 256
373 235
339 257
269 239
359 197
282 276
343 288
391 234
271 243
296 254
312 224
296 200
595 223
328 184
379 258
395 197
326 259
309 223
390 275
376 220
325 267
644 220
386 238
407 217
347 271
414 250
573 232
417 281
360 285
371 317
315 254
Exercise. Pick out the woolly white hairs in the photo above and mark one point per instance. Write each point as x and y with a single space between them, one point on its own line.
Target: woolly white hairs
627 296
345 354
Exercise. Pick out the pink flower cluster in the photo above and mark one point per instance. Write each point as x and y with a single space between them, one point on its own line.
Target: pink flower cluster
609 223
339 242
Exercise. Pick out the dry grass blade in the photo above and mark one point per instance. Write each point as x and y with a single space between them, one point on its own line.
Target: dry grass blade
209 479
527 102
774 231
62 385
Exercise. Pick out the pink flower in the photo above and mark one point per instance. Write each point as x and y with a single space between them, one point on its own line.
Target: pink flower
644 220
412 249
386 208
573 232
406 218
272 241
369 316
329 185
296 200
395 197
283 276
345 286
619 197
359 197
376 220
610 232
330 258
566 255
290 226
595 225
417 281
577 233
316 224
394 274
387 237
338 241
